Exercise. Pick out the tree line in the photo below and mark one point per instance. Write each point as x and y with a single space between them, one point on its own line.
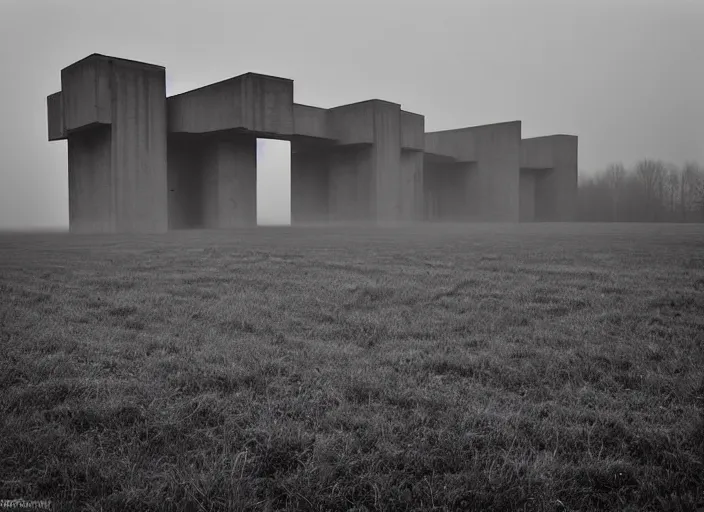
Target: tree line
650 191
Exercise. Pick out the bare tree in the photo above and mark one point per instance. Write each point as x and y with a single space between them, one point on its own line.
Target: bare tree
615 177
692 189
672 187
651 175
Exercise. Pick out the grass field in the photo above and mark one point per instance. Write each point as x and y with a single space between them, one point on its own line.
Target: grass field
532 367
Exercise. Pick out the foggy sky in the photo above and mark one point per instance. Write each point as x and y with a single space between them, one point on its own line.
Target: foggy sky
627 77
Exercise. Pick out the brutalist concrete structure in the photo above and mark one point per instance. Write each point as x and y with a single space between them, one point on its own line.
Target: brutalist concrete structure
141 162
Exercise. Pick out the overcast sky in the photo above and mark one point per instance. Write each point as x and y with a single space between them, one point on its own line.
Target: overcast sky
627 77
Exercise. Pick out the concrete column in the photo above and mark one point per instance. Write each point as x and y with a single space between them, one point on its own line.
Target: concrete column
498 149
91 206
113 112
185 187
229 181
556 187
411 186
309 186
527 197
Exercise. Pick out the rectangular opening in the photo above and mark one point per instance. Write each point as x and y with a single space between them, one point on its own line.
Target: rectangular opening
273 182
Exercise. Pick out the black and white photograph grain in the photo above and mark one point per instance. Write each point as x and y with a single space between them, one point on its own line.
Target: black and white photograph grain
352 255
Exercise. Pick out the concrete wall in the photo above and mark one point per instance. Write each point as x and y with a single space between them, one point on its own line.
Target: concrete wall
86 96
556 188
229 181
351 184
352 124
55 116
459 145
124 103
498 149
491 191
257 103
310 121
411 186
185 187
139 147
527 197
412 131
386 192
537 153
448 191
91 207
309 186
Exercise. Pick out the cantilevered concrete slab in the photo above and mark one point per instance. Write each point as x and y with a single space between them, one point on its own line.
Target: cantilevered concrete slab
113 113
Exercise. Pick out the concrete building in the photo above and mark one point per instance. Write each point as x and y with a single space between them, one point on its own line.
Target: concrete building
141 162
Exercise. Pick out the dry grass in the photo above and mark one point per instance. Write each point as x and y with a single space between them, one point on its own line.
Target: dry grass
464 368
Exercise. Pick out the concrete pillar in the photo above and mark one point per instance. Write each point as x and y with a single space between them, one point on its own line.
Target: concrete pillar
185 187
488 159
229 181
527 197
498 149
113 112
370 179
556 187
309 186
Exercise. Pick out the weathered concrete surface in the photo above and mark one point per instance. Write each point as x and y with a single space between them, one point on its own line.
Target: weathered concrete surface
91 206
55 117
310 121
86 92
412 131
310 184
491 191
449 193
229 181
556 188
457 145
411 186
185 181
364 162
139 146
124 103
259 104
527 197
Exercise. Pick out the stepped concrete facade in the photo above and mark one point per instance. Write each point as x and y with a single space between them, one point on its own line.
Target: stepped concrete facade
141 162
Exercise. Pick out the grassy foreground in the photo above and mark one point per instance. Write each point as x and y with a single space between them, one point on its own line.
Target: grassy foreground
533 367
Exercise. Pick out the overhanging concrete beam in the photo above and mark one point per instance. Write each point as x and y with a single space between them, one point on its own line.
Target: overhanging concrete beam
259 104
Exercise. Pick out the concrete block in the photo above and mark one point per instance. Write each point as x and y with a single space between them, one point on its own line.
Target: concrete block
527 195
458 145
352 124
412 131
252 102
91 207
537 153
229 181
556 188
55 116
114 112
310 186
139 146
450 191
185 187
351 183
310 121
498 150
386 164
85 87
411 186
